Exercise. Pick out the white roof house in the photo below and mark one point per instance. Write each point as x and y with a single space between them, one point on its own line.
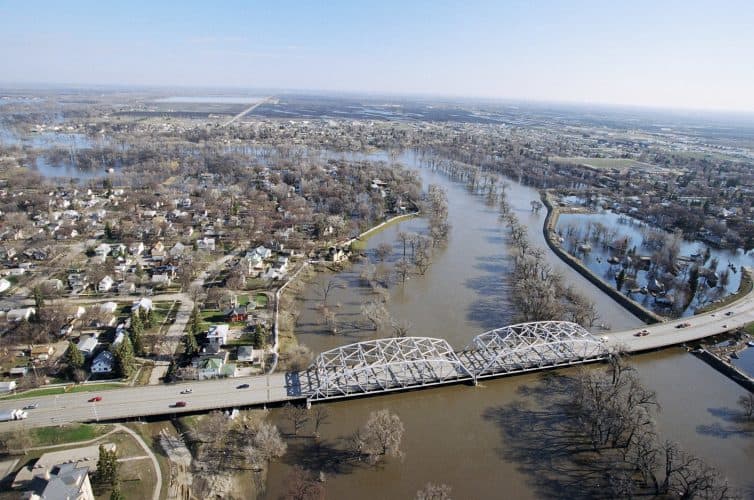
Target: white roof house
103 363
217 335
7 386
136 248
108 307
142 303
4 284
177 249
105 284
87 345
206 244
16 315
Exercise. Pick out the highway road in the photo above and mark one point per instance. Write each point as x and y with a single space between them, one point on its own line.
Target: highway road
224 393
149 400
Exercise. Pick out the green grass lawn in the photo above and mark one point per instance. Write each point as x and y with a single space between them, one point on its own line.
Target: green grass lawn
49 391
261 300
46 436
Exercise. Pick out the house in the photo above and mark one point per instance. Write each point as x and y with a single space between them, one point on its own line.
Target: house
16 315
102 250
214 366
207 244
7 386
235 314
136 248
336 254
103 362
177 250
250 355
108 307
18 371
87 345
126 287
261 252
143 303
105 284
158 251
217 335
78 282
161 279
42 352
63 482
4 285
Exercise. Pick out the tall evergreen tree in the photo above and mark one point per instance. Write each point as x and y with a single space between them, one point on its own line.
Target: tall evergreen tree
191 346
124 358
74 356
107 467
194 322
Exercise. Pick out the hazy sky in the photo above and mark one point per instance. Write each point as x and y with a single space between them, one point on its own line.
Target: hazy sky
689 54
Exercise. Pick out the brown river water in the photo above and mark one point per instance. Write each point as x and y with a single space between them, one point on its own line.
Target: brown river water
450 435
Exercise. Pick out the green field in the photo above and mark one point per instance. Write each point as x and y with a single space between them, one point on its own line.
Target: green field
618 163
46 436
51 391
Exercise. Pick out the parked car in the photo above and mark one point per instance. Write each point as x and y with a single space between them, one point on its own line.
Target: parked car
180 404
95 399
243 386
31 406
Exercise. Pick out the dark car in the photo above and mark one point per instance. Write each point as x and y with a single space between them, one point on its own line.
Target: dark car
243 386
31 406
95 399
683 325
180 404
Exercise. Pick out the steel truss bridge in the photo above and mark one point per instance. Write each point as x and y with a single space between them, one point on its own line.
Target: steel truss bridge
396 364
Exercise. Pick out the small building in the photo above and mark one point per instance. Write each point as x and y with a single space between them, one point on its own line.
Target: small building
206 244
19 371
143 304
17 315
87 345
136 248
108 307
42 352
236 314
161 280
7 386
103 363
177 250
105 284
217 335
126 287
248 354
4 285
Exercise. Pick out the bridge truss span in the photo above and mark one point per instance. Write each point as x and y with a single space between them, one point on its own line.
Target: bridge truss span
384 365
531 346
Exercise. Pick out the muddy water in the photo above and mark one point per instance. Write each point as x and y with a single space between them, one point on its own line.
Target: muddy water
449 437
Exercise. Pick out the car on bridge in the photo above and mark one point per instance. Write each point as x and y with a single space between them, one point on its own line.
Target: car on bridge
31 406
187 390
683 325
729 313
243 386
95 399
180 404
641 333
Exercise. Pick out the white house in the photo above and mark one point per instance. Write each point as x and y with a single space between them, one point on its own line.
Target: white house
108 307
4 285
105 284
206 243
136 248
103 363
143 303
102 250
87 345
217 335
16 315
161 279
177 250
126 287
7 386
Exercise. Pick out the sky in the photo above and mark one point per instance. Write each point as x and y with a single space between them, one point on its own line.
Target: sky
661 53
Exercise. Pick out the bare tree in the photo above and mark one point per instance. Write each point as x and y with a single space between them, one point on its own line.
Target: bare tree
381 436
303 485
383 251
402 270
297 416
401 328
376 313
746 403
268 442
432 491
320 416
324 289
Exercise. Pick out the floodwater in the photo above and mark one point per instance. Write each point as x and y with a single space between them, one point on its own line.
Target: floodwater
449 435
596 260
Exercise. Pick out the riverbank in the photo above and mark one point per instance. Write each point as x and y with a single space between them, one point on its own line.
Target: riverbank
726 368
551 222
358 242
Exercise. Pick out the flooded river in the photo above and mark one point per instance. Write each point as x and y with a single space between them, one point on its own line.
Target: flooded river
450 436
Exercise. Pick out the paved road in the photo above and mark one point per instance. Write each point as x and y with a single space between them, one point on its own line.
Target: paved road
247 111
223 393
149 400
736 315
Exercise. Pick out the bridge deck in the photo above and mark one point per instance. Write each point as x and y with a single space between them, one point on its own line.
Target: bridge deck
223 393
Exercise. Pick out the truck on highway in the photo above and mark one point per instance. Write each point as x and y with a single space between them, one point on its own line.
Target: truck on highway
8 415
